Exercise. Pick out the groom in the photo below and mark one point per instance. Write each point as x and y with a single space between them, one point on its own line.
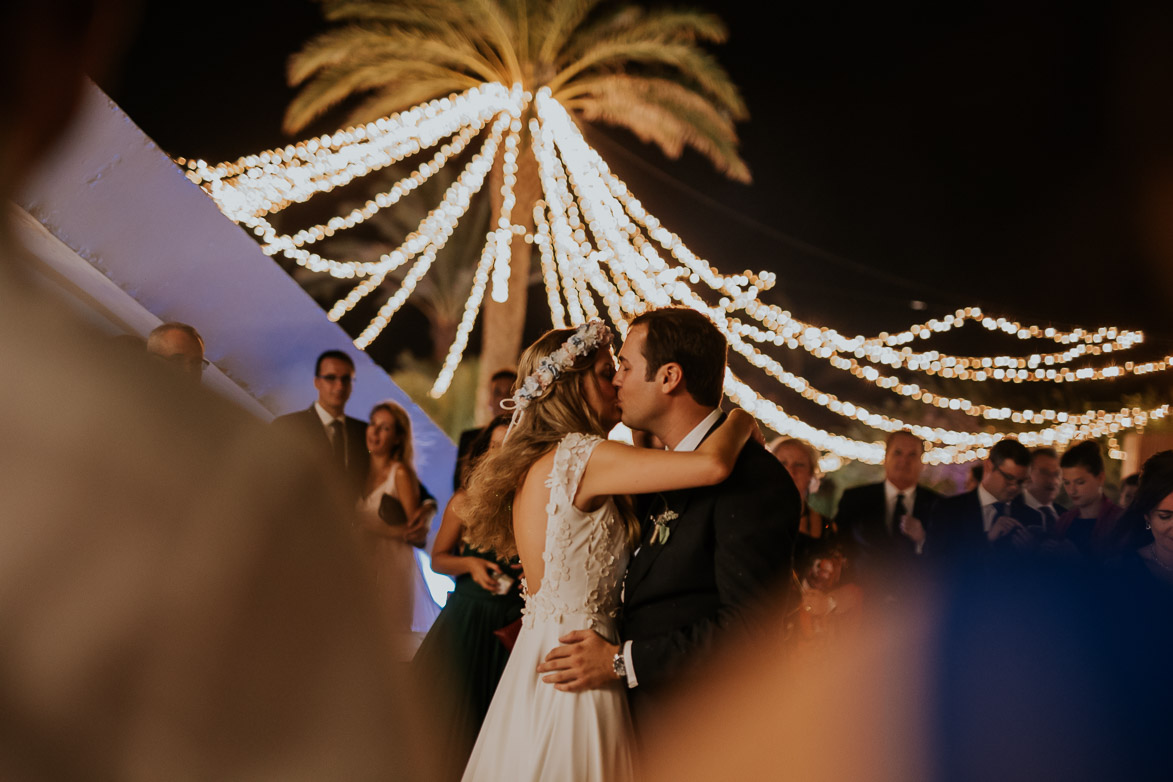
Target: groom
708 555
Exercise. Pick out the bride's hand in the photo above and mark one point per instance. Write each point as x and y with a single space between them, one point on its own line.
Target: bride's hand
746 424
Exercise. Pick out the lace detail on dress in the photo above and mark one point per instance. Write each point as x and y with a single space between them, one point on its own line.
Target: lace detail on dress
586 553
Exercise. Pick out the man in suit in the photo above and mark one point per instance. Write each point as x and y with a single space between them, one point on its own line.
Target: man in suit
181 347
974 524
1037 500
882 524
728 545
336 436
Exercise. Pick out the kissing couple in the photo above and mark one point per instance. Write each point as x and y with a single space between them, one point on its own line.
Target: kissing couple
608 633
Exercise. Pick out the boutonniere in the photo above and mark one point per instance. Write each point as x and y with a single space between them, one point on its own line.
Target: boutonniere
660 528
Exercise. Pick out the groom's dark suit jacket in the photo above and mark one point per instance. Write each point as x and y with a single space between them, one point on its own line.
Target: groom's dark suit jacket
308 426
729 548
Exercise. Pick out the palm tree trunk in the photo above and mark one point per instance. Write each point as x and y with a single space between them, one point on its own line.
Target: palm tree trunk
504 323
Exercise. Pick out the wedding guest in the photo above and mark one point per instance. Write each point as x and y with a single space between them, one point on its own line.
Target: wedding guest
338 438
1128 488
974 524
500 389
882 524
1092 525
181 346
1148 571
395 523
462 657
800 461
1040 490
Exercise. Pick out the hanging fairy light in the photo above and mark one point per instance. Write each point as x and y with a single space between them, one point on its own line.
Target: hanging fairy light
600 250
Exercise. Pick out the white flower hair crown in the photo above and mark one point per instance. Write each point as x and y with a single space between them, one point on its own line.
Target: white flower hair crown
586 339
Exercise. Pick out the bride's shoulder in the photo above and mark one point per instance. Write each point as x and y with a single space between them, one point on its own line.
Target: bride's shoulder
579 441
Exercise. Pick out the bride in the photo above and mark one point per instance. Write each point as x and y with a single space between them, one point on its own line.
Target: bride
553 494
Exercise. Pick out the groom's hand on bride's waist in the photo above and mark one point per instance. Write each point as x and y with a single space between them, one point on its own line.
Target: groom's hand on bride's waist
584 662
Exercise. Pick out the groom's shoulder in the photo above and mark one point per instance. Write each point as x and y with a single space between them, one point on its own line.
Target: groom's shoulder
756 462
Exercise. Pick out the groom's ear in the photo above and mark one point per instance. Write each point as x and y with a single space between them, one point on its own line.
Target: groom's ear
670 377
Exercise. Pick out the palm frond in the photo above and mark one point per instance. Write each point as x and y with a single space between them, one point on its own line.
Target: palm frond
559 20
670 25
422 13
332 85
694 65
356 46
644 69
665 114
498 30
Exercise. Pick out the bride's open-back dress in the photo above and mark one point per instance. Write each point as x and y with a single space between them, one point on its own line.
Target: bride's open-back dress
533 731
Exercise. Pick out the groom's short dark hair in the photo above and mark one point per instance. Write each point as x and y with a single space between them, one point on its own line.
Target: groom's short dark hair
678 335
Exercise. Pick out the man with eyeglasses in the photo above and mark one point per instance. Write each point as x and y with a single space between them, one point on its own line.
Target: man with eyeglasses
340 438
181 347
984 520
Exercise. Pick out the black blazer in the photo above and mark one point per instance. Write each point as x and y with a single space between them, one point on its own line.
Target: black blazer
862 527
1020 510
307 425
955 528
729 548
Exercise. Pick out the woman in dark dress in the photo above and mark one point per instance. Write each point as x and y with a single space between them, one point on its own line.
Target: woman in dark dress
461 656
1146 573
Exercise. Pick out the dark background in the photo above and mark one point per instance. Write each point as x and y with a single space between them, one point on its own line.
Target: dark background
1015 156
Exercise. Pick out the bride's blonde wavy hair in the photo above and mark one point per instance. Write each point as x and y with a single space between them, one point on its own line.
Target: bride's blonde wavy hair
562 409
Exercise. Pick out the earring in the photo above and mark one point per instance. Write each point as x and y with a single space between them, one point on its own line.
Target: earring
1147 525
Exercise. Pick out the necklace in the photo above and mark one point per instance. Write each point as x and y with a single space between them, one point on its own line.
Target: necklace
1155 558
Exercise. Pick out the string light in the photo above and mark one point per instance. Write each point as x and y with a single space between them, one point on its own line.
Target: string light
268 182
471 307
504 232
549 271
434 229
599 247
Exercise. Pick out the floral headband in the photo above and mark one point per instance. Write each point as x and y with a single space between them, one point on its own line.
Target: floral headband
586 339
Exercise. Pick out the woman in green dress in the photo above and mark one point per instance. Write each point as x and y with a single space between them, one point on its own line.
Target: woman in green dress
461 657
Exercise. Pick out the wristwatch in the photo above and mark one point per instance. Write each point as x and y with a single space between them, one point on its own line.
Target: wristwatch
619 665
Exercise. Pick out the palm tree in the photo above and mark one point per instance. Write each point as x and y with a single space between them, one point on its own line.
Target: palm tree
639 69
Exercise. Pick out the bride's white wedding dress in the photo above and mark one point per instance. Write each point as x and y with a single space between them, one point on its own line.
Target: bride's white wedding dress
533 731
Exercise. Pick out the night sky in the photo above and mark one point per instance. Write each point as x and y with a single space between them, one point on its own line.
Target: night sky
1019 156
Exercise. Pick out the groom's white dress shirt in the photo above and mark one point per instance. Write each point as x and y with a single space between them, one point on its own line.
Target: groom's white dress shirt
688 443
